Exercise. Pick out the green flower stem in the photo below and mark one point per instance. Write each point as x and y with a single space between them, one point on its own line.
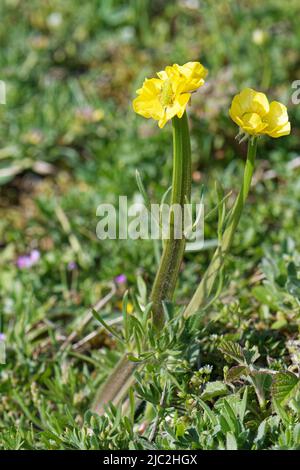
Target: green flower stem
122 377
206 285
168 270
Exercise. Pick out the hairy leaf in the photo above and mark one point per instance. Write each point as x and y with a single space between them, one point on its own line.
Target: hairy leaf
284 387
236 372
214 389
233 351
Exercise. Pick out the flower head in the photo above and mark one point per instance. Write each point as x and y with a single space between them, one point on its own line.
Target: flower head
72 265
27 261
121 279
259 36
167 96
129 307
254 114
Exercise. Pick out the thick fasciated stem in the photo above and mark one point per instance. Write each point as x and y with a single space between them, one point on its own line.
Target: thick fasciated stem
168 271
122 377
208 280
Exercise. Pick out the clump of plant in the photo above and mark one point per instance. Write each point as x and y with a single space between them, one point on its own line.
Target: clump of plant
150 335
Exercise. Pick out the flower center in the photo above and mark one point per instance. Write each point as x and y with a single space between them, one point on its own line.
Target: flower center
166 94
252 120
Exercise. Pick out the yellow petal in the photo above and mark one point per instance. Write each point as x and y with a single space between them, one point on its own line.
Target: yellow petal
147 103
193 69
252 123
147 107
163 75
251 101
173 110
162 121
284 130
151 86
235 109
235 112
191 75
277 120
183 101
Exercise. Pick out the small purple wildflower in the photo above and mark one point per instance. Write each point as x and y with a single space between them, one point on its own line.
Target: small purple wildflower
23 262
2 337
72 265
35 256
121 279
27 261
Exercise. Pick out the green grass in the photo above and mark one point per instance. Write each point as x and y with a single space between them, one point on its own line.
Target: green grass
59 160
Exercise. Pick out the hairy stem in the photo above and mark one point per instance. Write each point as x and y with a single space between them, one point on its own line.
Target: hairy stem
116 386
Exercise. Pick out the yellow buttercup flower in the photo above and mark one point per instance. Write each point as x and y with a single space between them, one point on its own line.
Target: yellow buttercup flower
253 113
167 96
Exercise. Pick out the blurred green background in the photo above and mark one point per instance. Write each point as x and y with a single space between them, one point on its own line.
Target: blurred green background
70 140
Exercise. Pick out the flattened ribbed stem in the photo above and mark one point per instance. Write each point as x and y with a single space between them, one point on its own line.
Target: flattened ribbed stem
122 377
167 274
206 285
